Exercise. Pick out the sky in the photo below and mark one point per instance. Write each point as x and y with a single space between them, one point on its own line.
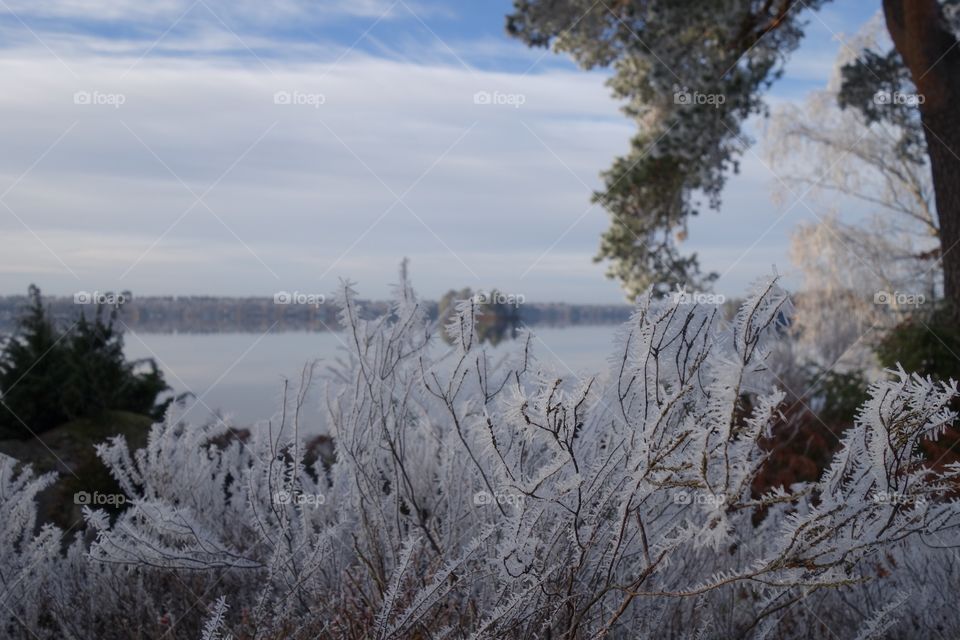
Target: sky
232 147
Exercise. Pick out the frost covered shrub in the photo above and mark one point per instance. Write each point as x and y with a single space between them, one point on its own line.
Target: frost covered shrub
477 499
26 559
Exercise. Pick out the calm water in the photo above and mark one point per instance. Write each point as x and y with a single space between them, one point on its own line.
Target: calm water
241 374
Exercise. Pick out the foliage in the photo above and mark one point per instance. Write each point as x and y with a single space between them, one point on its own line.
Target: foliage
473 500
49 376
31 369
830 156
803 441
929 343
926 343
497 314
859 282
29 558
69 451
841 393
799 449
689 74
876 71
884 73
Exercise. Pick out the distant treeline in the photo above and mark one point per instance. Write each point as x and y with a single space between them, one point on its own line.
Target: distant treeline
210 314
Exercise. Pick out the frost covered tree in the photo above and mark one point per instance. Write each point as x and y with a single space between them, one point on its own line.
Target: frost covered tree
692 72
829 155
847 268
493 499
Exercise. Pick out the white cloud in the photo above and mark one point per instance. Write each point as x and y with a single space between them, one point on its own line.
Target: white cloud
278 11
306 191
309 183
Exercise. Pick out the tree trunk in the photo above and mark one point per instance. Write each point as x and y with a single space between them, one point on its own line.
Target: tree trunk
930 51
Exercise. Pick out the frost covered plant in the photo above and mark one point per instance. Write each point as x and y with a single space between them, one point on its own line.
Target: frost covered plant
472 498
25 558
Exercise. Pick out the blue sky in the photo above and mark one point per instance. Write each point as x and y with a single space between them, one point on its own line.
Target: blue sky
146 148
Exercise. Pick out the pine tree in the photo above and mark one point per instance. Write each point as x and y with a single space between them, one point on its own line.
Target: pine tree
31 373
49 376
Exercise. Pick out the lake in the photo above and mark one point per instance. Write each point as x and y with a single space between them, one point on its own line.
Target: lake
241 374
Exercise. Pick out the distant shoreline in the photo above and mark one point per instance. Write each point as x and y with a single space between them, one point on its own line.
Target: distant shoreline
211 314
